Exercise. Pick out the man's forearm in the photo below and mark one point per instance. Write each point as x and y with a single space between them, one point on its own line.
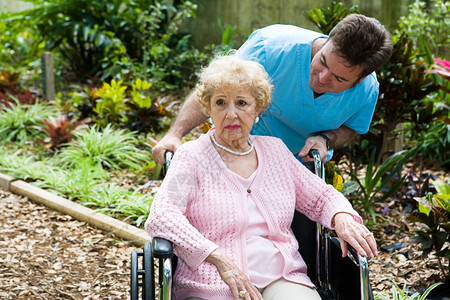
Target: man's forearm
338 137
188 117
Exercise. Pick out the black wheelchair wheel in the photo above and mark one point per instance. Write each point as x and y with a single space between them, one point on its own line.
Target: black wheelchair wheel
134 276
149 275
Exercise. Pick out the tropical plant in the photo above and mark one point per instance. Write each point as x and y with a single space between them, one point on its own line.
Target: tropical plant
401 294
110 106
365 193
84 101
59 131
110 199
434 213
18 50
326 19
403 86
145 114
17 121
10 90
23 166
430 128
108 147
167 56
428 20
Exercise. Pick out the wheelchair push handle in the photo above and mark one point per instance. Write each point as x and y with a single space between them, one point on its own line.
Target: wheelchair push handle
168 155
318 165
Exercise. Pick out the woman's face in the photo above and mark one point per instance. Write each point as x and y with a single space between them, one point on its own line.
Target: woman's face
233 113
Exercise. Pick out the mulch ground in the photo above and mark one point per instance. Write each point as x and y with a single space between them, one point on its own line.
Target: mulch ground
48 255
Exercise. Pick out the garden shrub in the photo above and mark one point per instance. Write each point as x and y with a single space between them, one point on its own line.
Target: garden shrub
18 120
114 39
428 19
108 147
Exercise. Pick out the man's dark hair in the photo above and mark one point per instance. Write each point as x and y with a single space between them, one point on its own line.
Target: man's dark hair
361 41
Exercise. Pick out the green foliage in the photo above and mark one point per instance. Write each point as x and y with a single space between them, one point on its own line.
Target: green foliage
401 294
403 86
110 148
17 121
167 57
23 165
82 30
376 179
110 106
18 50
434 213
84 101
10 89
430 21
430 128
125 105
114 200
326 19
59 131
145 114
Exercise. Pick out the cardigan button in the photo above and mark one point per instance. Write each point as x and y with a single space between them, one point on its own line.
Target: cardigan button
249 191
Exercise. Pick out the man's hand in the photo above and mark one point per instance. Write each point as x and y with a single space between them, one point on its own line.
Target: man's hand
338 137
168 142
314 142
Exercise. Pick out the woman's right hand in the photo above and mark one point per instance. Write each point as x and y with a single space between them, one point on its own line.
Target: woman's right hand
233 277
169 142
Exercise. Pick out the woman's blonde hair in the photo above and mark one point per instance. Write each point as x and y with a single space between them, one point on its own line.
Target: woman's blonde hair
231 71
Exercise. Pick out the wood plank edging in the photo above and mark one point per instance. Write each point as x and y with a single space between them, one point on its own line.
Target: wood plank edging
121 229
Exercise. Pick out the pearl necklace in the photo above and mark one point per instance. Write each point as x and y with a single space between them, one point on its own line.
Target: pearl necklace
232 151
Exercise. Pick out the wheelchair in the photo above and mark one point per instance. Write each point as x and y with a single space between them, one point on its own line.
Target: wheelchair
335 277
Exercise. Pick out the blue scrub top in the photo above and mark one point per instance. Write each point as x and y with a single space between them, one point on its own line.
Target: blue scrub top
294 114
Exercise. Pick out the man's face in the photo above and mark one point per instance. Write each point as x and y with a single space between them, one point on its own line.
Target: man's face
329 73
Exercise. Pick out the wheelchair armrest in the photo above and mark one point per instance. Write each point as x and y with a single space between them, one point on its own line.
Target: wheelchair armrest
162 248
344 274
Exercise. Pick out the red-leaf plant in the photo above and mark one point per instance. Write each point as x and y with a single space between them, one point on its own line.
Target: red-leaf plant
59 131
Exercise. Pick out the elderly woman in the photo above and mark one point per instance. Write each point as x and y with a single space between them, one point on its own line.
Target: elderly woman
228 199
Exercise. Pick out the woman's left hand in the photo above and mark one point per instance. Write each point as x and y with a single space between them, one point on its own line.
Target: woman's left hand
356 234
239 283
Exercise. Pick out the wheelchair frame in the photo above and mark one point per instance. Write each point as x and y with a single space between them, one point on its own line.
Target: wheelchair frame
326 265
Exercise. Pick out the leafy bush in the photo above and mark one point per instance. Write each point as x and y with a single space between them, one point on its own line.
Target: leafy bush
125 105
403 87
18 50
114 39
365 193
17 121
167 56
434 213
431 127
326 19
429 20
10 90
110 148
59 131
110 105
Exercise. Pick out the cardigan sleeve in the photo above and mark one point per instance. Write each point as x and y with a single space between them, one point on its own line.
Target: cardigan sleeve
316 199
167 214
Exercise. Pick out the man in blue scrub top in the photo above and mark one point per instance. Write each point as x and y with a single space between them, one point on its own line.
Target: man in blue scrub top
325 87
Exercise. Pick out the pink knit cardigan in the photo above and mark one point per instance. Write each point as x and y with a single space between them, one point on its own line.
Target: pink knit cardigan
200 207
